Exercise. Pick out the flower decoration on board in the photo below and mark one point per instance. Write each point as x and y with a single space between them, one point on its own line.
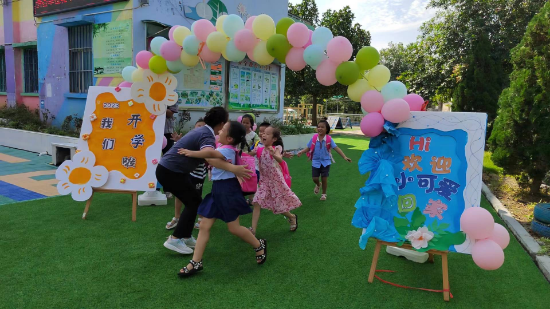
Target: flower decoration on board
155 161
152 185
122 180
419 239
130 103
85 137
156 91
79 176
93 117
136 175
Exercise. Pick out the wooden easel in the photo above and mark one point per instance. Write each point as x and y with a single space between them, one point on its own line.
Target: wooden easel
444 264
134 201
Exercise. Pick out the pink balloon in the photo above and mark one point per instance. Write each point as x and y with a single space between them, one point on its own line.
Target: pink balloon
487 254
372 124
298 35
240 119
326 73
249 22
209 56
500 236
142 59
125 84
170 51
295 59
203 27
396 110
245 40
339 49
372 101
477 222
164 142
415 102
171 33
309 41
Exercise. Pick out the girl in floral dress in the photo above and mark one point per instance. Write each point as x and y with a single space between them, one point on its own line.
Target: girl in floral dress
273 192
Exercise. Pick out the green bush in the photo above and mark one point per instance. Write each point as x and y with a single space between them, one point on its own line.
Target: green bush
294 127
22 118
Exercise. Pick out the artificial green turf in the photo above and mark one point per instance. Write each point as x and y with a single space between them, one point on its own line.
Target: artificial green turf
50 257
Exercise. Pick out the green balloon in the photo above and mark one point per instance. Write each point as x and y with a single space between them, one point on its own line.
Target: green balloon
278 46
283 25
157 64
367 58
347 73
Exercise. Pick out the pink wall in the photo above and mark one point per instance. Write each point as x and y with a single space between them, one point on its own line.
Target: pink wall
24 31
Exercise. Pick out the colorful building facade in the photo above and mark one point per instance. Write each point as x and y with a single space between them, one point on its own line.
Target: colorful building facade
79 44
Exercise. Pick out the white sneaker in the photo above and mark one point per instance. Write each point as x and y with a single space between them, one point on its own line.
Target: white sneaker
169 195
177 245
190 242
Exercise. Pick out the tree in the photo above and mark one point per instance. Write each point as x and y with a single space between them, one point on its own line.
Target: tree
479 81
520 140
304 82
395 58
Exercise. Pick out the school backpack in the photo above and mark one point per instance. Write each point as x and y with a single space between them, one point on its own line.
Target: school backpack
283 165
250 185
328 141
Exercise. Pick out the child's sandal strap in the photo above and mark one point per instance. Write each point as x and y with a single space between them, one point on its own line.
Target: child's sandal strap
261 247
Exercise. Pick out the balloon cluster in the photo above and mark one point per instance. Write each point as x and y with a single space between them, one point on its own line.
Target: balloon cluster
490 237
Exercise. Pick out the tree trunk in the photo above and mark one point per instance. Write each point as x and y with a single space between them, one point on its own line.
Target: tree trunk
314 111
534 187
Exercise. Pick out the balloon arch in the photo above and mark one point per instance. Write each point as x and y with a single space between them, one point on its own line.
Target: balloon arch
290 43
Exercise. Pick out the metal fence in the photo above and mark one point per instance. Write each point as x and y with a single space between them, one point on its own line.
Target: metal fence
30 63
80 58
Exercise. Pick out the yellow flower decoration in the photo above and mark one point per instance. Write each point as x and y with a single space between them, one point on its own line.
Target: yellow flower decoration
155 91
79 176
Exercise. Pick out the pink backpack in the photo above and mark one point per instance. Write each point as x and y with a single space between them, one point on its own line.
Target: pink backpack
283 165
248 186
314 139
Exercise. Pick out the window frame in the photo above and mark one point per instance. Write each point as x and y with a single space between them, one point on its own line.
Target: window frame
3 77
81 66
24 71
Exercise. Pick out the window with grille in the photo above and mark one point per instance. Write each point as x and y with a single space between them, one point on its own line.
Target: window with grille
80 58
2 71
30 68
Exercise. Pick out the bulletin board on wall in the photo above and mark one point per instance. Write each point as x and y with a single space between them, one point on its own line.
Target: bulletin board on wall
112 47
253 86
202 88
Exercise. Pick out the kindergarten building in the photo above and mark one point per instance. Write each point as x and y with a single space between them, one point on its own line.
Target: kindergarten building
53 51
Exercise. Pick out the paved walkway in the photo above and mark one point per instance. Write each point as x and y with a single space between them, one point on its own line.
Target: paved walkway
25 176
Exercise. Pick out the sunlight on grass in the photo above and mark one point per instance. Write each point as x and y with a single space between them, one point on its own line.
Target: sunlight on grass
353 142
489 166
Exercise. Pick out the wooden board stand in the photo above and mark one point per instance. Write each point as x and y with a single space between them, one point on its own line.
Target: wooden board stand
444 263
134 201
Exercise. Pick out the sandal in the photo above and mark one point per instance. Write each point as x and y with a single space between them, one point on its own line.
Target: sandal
262 257
293 227
323 197
316 190
186 272
172 224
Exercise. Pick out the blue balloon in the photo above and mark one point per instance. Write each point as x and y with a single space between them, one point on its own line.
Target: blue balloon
232 24
394 90
321 36
127 73
313 55
232 53
156 43
191 45
175 66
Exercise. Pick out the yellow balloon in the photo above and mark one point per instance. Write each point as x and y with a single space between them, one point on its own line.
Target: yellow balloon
263 27
261 56
216 41
219 23
180 34
379 76
357 89
189 60
137 75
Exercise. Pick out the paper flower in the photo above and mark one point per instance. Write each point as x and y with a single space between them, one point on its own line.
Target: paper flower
130 103
153 117
122 180
77 151
79 176
85 137
93 117
152 185
420 238
136 175
155 161
117 89
156 92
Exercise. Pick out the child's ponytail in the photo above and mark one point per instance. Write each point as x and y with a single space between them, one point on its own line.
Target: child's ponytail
238 134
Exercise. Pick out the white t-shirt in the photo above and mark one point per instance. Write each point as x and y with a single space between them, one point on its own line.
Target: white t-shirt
251 139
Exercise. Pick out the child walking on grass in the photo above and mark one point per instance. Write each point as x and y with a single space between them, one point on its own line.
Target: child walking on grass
273 192
226 201
319 152
197 178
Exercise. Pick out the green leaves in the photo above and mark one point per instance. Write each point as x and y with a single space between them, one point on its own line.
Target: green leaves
417 219
444 241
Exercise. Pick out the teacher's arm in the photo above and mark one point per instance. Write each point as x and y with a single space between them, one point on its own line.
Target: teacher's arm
239 170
